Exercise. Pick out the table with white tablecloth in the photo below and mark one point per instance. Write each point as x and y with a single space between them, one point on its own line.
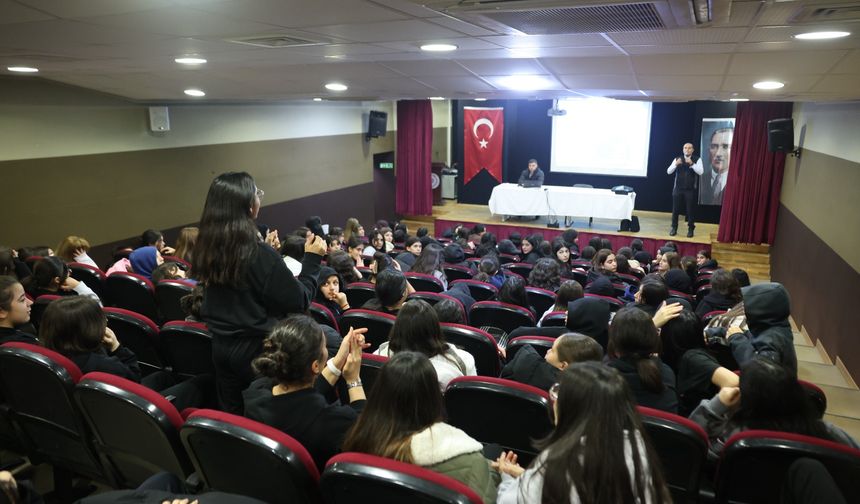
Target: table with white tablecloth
511 199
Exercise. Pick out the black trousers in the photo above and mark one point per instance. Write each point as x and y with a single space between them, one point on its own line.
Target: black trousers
683 197
233 373
807 481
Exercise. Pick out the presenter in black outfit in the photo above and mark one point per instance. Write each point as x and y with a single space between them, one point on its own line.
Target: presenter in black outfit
533 173
687 169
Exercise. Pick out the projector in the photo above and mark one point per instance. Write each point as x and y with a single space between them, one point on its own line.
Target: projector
556 112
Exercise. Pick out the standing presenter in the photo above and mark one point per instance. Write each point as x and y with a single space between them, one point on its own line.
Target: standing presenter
687 169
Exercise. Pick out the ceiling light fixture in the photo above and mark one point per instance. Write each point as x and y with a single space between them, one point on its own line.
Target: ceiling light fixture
317 99
524 82
439 47
336 86
190 60
334 56
739 99
435 98
480 99
22 69
822 35
194 92
768 85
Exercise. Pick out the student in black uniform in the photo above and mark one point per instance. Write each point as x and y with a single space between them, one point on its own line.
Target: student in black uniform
14 312
247 286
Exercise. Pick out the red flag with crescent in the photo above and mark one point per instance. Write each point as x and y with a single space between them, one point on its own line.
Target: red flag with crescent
483 131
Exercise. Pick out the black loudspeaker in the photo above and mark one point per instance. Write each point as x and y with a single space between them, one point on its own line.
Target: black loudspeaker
631 225
376 124
780 135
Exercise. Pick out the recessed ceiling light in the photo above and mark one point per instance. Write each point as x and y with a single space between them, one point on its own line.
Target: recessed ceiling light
480 99
435 98
822 35
194 92
438 47
317 99
334 56
22 69
524 82
190 60
739 99
336 86
768 85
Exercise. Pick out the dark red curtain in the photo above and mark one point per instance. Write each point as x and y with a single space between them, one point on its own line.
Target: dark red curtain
414 141
751 200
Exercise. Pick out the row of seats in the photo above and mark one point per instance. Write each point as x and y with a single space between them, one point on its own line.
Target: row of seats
115 431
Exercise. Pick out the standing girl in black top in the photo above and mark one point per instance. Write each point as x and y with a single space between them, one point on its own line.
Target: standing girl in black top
247 287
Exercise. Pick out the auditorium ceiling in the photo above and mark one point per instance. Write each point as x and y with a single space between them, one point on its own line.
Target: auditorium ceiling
275 50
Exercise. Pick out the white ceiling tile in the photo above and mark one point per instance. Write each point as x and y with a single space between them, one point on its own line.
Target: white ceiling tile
573 40
576 66
183 22
389 31
744 84
692 49
836 84
448 85
704 64
681 37
784 63
599 81
302 13
849 64
431 68
503 67
82 9
681 82
16 13
461 26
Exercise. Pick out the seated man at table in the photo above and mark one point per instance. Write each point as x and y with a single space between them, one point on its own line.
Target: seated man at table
531 177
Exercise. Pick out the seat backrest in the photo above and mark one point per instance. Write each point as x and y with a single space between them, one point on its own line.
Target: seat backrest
682 447
703 291
370 366
139 333
754 463
358 293
187 348
37 384
706 318
234 454
480 291
434 297
37 309
378 325
479 343
614 303
520 268
424 283
554 319
494 410
358 477
628 278
703 279
679 294
541 344
132 292
508 258
167 296
136 430
506 317
541 299
323 315
366 273
90 275
457 272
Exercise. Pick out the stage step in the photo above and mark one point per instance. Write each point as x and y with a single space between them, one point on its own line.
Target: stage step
753 258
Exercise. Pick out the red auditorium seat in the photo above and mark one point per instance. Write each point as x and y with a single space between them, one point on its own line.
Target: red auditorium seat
614 303
424 283
358 293
504 316
541 344
480 291
132 292
167 298
323 315
554 319
139 334
479 343
378 325
457 272
187 348
522 269
434 297
541 299
92 276
38 308
370 367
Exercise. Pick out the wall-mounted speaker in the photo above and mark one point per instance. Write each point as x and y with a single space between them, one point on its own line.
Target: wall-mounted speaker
159 119
377 123
780 135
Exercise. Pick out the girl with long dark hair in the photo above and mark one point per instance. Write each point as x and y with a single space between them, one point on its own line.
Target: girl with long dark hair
513 291
725 293
404 422
634 346
531 249
14 311
598 451
247 286
430 263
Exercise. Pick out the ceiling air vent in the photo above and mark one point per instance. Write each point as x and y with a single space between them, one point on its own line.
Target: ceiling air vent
827 13
588 19
275 40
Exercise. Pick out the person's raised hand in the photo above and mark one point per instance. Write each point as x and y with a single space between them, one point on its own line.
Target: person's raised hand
69 284
666 313
109 340
353 362
316 246
358 336
507 464
730 396
677 161
272 239
340 299
167 251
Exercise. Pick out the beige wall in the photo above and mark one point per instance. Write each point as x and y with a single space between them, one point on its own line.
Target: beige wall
822 187
77 162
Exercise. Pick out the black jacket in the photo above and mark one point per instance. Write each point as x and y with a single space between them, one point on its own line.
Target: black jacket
305 415
526 175
270 293
530 368
667 400
714 301
678 280
122 363
589 316
10 335
767 308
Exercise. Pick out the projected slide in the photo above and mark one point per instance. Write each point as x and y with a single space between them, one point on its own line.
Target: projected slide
601 136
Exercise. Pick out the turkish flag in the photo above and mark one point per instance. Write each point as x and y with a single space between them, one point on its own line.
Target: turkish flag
483 134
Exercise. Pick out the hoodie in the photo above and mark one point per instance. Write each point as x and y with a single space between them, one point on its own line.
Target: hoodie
144 260
767 308
678 280
325 273
590 316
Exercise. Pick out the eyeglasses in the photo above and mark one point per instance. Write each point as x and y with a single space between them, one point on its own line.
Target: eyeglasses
260 193
553 392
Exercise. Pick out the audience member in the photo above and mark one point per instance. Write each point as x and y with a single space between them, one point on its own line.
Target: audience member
74 249
530 368
767 308
169 270
704 260
742 277
413 250
417 329
144 260
191 304
391 291
293 250
513 291
377 242
508 247
185 243
430 263
568 292
725 293
52 276
14 312
589 316
571 239
329 293
296 392
404 422
351 229
530 246
546 274
490 271
651 294
639 253
11 265
603 265
450 311
154 238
